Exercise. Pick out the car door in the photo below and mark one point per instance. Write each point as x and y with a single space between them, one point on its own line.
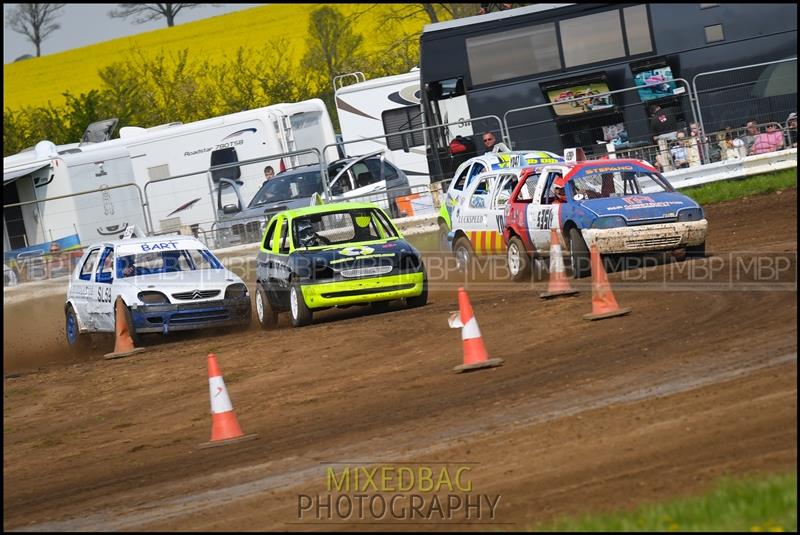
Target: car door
82 291
500 193
472 214
543 214
265 269
280 267
103 292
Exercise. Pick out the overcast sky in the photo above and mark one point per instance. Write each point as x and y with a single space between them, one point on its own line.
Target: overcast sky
86 24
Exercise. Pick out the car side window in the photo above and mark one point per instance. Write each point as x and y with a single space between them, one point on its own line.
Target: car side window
105 273
548 194
284 243
88 265
478 198
389 172
461 179
477 168
270 233
342 184
366 174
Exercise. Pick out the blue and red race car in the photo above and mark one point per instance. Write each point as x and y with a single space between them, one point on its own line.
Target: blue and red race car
619 206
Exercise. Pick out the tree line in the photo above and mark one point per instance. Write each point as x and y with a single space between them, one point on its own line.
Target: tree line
149 89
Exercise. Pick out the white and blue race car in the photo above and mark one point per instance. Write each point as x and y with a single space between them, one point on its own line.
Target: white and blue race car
167 284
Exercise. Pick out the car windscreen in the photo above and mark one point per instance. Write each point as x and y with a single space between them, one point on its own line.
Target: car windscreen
288 186
171 261
619 183
346 226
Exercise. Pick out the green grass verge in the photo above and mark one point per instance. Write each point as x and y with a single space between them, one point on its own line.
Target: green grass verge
754 504
726 190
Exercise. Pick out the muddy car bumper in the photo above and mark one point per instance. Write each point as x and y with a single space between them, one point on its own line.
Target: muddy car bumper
644 238
366 290
185 317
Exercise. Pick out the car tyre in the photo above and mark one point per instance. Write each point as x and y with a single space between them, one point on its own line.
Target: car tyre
421 299
379 306
519 261
442 237
77 341
579 255
696 251
299 312
462 250
266 314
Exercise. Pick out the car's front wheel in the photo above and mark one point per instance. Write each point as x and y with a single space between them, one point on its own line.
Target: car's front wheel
77 341
579 255
696 251
462 250
519 262
267 316
300 313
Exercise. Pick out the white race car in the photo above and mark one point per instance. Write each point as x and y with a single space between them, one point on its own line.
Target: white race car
467 171
171 283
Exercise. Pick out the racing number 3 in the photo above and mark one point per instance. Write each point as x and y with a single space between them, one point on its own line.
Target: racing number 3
544 219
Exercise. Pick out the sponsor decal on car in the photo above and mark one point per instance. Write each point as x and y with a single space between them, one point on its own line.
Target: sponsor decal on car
357 251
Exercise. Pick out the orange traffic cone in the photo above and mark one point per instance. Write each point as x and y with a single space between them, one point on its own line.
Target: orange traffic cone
475 356
123 345
224 425
604 305
558 283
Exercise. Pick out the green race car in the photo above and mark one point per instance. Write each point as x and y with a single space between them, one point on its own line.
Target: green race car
334 255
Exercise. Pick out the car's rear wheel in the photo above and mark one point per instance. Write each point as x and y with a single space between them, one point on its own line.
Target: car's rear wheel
77 341
462 250
300 313
267 316
519 262
579 255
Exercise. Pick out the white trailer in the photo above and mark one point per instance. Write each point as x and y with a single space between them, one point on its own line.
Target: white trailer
49 171
179 149
381 106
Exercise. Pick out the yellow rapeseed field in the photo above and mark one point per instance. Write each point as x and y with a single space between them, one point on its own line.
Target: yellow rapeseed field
37 81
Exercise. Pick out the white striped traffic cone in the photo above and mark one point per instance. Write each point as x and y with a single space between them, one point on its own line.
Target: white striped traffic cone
558 283
224 425
475 356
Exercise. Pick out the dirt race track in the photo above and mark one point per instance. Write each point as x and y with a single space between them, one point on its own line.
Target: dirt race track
698 382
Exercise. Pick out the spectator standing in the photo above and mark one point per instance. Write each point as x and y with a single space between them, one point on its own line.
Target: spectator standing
768 141
661 122
269 172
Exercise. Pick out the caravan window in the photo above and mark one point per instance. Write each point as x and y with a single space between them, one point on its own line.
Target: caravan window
221 157
399 119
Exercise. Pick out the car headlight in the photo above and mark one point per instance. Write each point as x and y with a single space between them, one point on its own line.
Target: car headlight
690 214
613 221
236 291
153 298
408 261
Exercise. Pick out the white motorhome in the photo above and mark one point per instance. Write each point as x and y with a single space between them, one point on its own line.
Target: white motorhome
369 108
180 149
49 171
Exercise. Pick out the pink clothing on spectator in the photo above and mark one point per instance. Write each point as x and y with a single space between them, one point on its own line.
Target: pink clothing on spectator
767 142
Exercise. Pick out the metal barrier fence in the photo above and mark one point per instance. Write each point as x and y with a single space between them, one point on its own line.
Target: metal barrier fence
204 195
627 105
63 216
